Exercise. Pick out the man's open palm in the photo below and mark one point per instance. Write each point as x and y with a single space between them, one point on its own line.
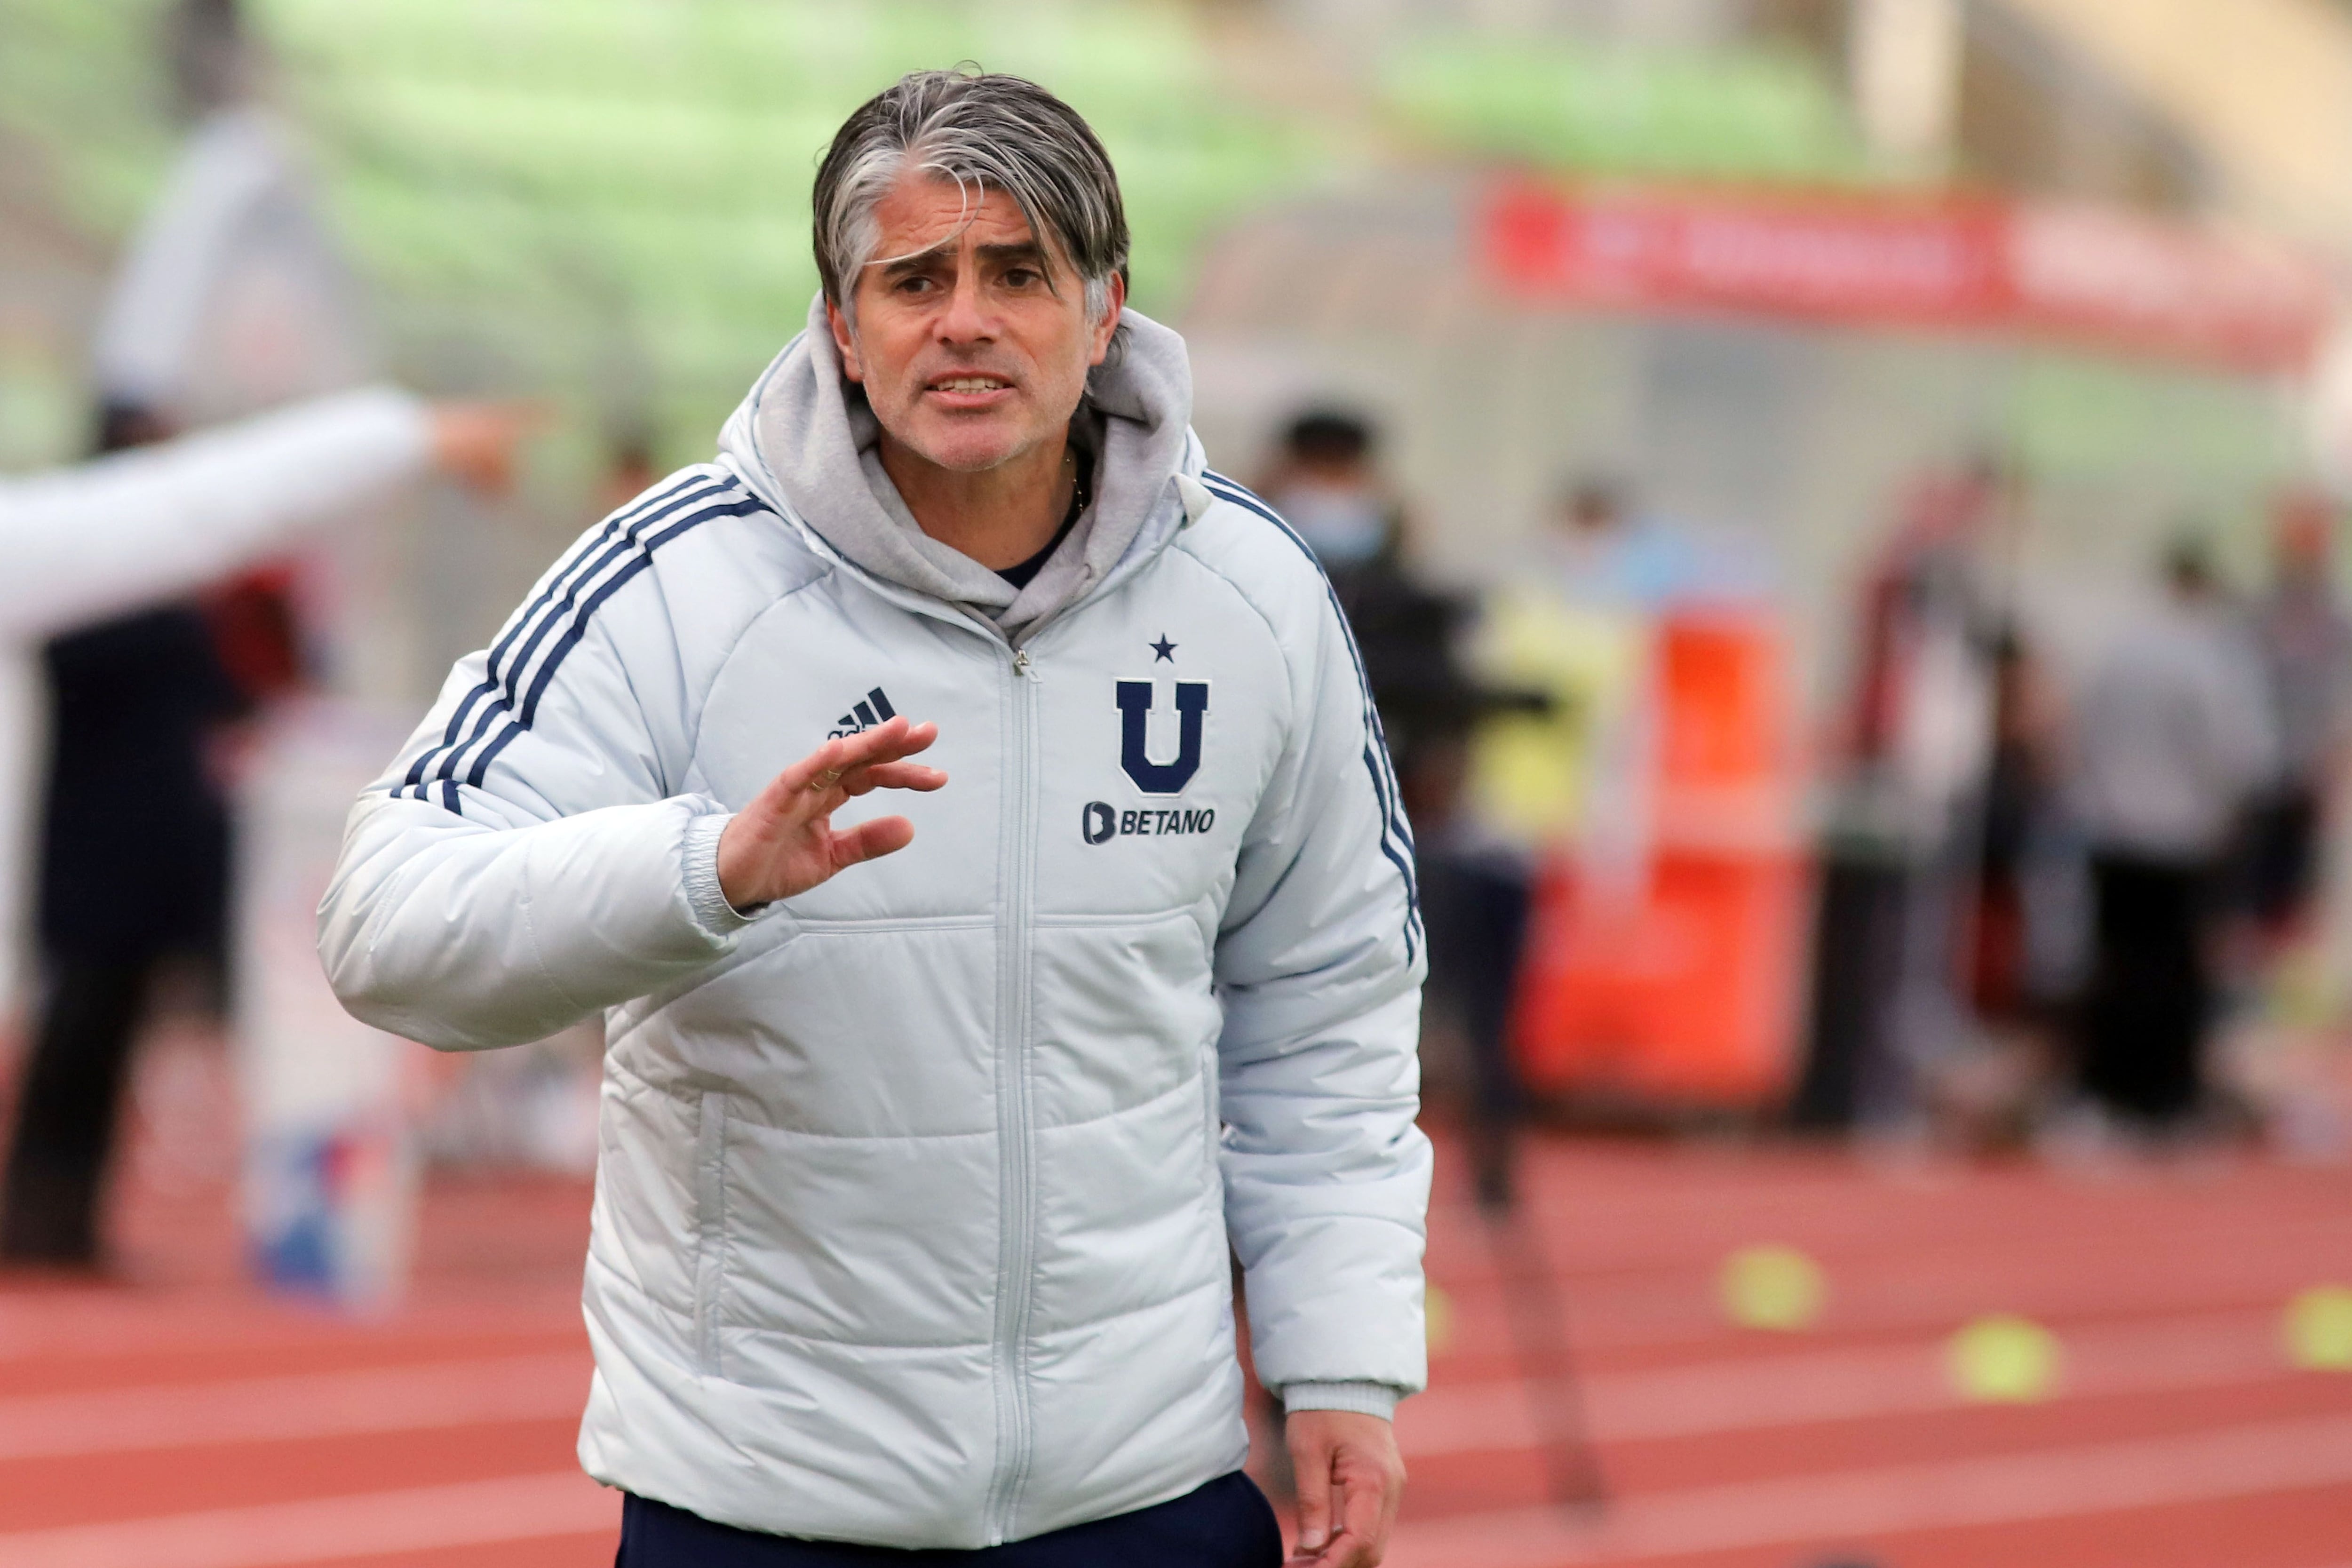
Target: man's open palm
784 842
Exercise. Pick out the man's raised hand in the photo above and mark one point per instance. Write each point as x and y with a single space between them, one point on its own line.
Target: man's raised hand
784 842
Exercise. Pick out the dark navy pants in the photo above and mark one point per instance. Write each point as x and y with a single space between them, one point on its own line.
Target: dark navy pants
1225 1524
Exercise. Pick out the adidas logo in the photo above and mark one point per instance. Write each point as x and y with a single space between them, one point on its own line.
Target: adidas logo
875 709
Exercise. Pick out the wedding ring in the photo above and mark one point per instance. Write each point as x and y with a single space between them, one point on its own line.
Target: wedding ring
825 779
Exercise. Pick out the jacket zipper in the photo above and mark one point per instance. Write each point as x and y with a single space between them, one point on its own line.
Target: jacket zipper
1017 1183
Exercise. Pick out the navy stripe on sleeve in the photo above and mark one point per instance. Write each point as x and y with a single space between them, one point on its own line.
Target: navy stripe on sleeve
530 620
500 707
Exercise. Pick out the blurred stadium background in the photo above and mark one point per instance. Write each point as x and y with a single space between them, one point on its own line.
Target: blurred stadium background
1774 269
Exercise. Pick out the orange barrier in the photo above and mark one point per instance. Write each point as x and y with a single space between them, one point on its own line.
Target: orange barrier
1682 984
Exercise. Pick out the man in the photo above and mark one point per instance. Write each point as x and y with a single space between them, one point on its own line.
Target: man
2176 737
116 535
917 1180
1330 489
2306 647
1887 1010
1328 485
1332 495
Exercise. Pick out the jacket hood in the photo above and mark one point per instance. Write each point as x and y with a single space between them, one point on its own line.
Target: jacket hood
805 440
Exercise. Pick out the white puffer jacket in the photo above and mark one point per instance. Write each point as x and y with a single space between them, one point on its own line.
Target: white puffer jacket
916 1190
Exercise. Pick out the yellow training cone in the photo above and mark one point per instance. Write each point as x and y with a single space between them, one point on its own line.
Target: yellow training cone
1437 1317
2319 1328
1775 1287
2003 1359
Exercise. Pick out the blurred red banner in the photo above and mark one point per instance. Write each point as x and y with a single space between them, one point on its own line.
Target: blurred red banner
2097 276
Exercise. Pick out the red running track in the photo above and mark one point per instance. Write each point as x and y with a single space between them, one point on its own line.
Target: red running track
183 1421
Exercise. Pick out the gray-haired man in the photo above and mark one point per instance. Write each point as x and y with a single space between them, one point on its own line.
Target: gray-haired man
918 1184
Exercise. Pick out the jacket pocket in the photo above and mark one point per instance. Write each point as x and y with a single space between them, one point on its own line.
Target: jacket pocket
710 1226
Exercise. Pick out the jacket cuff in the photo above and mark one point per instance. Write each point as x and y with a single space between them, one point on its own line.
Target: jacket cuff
1362 1398
712 909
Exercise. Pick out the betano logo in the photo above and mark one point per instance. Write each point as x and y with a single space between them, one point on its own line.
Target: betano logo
1102 821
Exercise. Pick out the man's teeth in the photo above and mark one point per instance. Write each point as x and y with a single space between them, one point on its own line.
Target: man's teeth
969 384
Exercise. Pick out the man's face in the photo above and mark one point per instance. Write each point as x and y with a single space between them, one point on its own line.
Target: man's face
973 347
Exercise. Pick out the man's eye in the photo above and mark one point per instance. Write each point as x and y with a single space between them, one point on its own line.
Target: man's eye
915 284
1022 276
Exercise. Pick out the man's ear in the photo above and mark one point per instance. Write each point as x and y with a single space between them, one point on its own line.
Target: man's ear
844 343
1109 323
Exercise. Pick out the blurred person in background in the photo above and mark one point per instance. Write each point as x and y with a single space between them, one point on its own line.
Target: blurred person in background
2306 649
229 296
1899 865
1603 553
2174 737
977 1125
1616 579
87 543
2017 785
1475 893
1328 484
629 469
135 798
1620 571
2026 935
1605 549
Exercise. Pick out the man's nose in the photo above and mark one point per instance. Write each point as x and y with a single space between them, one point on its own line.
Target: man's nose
966 318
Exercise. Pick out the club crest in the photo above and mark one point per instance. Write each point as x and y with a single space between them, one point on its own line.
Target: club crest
1135 701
